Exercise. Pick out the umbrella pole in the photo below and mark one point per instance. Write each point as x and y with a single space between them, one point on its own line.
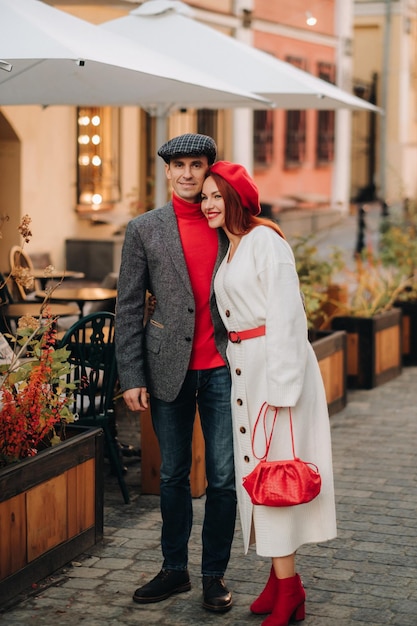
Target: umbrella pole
160 177
243 138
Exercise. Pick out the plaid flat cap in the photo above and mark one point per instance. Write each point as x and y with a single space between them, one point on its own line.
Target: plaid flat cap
190 144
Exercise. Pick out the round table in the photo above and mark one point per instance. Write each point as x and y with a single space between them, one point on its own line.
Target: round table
43 275
19 309
81 296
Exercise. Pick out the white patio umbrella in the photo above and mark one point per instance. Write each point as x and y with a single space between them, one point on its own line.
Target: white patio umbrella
50 57
168 26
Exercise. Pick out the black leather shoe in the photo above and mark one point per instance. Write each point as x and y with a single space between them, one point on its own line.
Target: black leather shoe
165 584
216 596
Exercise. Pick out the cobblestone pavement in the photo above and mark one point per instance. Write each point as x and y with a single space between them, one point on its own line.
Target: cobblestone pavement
365 577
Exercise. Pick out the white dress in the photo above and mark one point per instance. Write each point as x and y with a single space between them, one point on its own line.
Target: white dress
260 286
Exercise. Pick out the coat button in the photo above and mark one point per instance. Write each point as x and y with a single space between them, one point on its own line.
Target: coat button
188 339
239 401
227 313
190 309
238 372
246 459
242 430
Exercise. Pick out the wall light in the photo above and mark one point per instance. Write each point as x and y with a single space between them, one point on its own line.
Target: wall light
310 19
98 159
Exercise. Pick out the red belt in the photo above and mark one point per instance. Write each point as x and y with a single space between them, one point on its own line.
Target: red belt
241 335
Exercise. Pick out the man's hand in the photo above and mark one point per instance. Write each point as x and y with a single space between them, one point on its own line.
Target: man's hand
136 399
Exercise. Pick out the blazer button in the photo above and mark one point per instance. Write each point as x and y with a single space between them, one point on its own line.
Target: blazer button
190 309
242 430
239 401
227 313
188 339
238 372
246 459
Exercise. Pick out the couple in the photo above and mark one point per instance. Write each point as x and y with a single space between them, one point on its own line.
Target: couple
214 267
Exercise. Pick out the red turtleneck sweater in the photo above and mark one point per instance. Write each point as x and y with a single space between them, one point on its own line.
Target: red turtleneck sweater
200 246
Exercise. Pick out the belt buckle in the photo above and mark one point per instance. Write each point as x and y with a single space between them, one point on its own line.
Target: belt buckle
234 337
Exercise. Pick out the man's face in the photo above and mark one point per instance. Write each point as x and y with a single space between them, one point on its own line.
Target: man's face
186 175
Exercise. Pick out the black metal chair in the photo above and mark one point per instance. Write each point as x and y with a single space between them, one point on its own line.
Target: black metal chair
4 299
91 344
5 295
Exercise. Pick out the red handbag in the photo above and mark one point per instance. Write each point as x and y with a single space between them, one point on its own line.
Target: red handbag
281 483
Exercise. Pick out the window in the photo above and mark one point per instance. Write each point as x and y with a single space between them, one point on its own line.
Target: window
295 128
295 138
207 122
325 120
263 138
216 124
97 158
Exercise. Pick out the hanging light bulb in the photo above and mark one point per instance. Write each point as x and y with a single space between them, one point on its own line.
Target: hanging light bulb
310 19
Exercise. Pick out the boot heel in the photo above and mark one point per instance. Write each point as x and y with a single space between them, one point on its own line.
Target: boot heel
299 614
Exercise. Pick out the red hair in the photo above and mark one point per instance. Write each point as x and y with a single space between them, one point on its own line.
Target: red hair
239 220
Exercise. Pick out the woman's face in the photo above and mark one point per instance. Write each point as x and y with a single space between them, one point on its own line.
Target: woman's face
212 204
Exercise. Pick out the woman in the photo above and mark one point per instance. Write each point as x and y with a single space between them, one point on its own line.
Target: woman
257 289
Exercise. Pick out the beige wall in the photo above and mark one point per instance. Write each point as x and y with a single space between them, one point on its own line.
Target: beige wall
10 192
47 170
94 12
48 177
400 119
293 13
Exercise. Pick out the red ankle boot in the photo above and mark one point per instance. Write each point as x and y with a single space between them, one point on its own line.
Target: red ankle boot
264 603
289 602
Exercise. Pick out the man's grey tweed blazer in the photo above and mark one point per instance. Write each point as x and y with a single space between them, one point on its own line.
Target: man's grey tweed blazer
157 356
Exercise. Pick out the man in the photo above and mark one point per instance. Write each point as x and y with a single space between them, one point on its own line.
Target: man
178 358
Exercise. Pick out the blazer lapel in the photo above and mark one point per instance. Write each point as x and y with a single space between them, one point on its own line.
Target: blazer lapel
171 238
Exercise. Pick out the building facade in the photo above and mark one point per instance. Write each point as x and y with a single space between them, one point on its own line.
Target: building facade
384 149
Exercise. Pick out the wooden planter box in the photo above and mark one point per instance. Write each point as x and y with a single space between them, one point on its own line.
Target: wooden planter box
373 348
409 331
331 353
51 509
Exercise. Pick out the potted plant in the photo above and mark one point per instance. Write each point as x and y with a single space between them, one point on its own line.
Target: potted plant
317 279
319 289
371 321
398 248
51 488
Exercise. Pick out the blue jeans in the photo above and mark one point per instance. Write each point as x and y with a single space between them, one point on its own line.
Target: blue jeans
173 424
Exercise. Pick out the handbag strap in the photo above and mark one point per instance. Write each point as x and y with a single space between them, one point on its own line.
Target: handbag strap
262 415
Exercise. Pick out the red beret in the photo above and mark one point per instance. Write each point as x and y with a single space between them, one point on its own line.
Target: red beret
242 183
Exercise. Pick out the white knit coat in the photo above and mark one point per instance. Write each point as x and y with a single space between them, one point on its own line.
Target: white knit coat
260 286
